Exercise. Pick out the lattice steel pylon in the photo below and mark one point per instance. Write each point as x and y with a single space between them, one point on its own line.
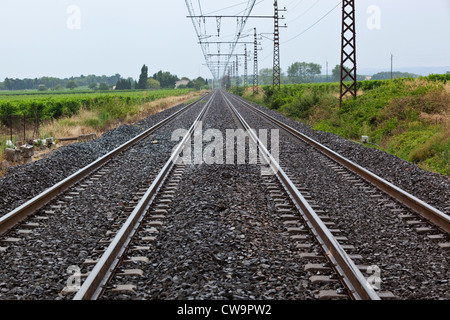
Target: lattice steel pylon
348 51
276 50
255 65
237 71
245 68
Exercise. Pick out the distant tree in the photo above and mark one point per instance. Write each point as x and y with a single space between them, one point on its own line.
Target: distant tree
142 83
196 83
93 85
71 85
103 86
265 76
166 79
303 72
119 84
395 74
42 87
296 72
153 84
124 84
336 73
58 87
51 82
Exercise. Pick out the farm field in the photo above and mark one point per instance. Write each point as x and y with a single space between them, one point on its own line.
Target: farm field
66 115
55 105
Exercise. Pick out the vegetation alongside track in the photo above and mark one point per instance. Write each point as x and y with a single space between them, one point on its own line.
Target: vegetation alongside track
54 106
70 115
409 118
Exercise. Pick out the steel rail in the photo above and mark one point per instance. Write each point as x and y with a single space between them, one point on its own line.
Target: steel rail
435 216
351 276
11 219
94 285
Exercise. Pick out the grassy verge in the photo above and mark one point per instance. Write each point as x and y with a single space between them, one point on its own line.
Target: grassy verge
409 118
109 117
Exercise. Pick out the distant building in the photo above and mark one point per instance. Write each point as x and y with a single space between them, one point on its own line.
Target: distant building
368 78
181 82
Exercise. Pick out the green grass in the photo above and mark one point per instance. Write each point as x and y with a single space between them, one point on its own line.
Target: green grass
406 117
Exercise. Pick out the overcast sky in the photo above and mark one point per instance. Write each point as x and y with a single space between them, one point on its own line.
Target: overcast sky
64 38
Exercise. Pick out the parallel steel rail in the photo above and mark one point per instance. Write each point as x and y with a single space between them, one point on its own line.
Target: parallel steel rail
351 276
10 220
95 283
435 216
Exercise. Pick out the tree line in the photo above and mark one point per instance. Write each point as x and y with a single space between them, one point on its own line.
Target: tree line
308 72
45 83
159 80
302 72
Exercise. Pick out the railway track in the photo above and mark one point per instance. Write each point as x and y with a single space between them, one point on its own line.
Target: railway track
355 282
65 221
404 209
10 220
428 212
357 285
124 263
99 276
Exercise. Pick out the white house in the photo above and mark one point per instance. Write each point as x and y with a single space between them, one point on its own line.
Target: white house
181 82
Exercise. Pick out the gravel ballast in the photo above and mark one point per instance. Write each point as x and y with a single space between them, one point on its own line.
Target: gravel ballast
222 237
412 265
37 266
430 187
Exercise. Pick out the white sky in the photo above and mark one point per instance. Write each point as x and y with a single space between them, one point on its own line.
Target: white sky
118 36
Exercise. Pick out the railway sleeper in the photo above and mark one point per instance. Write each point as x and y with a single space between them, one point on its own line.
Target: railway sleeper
333 295
324 279
130 272
302 238
122 288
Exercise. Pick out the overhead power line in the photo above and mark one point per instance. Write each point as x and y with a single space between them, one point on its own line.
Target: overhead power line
314 24
199 22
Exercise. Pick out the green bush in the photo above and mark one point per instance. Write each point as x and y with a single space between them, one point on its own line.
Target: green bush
393 113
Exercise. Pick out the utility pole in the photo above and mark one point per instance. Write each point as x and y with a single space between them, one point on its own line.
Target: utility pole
392 66
237 71
276 47
233 69
234 64
245 68
255 65
241 21
348 50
